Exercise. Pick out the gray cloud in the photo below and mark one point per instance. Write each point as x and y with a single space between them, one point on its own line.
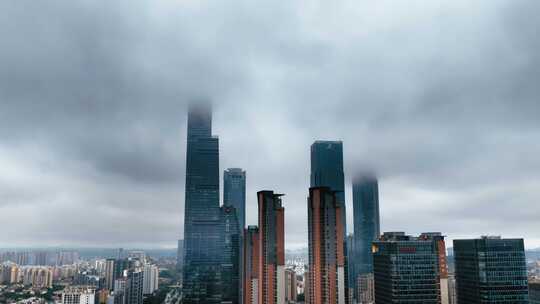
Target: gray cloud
440 98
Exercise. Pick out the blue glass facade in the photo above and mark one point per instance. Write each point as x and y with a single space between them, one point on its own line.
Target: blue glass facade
234 192
366 222
230 265
491 270
202 235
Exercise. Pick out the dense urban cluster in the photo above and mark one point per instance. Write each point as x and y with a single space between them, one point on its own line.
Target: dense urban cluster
227 261
63 277
223 260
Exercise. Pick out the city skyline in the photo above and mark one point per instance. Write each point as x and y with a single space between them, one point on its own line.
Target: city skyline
100 148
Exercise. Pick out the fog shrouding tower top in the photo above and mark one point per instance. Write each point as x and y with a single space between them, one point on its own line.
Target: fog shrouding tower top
201 223
366 221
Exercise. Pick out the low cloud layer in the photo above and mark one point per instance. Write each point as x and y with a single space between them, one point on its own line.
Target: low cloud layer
441 99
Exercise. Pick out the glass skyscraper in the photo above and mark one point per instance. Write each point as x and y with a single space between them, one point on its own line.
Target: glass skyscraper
409 269
230 265
491 270
366 222
202 235
234 192
327 171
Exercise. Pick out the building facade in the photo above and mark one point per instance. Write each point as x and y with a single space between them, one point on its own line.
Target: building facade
151 278
290 286
251 265
367 226
134 286
202 256
365 285
327 264
409 269
534 292
327 171
491 270
230 264
234 192
271 248
78 295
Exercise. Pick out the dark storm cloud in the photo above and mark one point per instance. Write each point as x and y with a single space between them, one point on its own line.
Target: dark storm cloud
440 98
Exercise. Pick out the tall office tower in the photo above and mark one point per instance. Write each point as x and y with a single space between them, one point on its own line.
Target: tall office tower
327 171
491 270
202 256
408 269
534 292
78 295
234 195
271 248
251 265
290 286
151 278
234 192
134 286
367 226
327 264
230 264
109 274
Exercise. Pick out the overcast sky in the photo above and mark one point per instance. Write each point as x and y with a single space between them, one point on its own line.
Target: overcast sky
440 98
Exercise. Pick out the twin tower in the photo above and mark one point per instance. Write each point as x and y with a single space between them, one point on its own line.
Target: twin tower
226 263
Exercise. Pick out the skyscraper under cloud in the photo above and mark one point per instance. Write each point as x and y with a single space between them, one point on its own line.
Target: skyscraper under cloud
366 225
202 247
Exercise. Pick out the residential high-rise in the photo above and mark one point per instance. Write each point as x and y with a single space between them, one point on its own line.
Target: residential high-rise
409 269
234 192
491 270
78 295
327 171
109 274
230 264
327 264
251 265
202 256
271 248
307 283
290 286
134 286
151 278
